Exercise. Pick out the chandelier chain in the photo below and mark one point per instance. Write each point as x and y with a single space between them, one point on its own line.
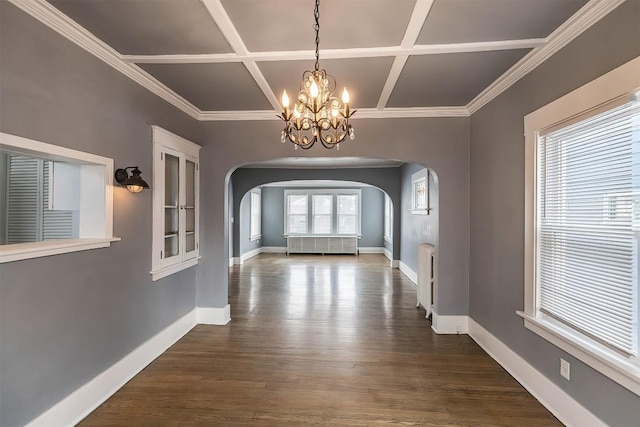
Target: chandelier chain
316 14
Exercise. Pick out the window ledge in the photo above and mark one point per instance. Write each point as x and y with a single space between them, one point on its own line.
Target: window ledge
420 211
171 269
20 251
609 363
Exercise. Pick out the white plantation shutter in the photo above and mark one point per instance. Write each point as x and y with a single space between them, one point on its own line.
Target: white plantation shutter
24 200
28 214
56 224
588 216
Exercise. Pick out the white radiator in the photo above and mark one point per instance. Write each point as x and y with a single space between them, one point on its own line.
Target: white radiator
322 244
426 274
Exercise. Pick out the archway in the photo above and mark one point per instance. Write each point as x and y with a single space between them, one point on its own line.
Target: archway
442 144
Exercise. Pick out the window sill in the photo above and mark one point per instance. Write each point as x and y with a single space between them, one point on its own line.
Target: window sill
20 251
420 211
323 235
609 363
171 269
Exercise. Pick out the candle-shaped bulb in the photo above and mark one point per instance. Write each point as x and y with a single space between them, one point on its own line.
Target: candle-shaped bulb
314 89
345 96
285 99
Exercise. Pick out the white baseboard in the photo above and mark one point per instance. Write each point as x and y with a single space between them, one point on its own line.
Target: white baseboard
371 250
72 409
214 316
394 262
557 401
443 324
231 262
412 275
245 256
274 249
236 260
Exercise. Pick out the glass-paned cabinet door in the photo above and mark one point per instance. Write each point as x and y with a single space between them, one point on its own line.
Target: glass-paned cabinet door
171 205
175 203
190 208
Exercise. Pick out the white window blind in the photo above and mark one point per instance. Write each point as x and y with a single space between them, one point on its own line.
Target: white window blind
588 217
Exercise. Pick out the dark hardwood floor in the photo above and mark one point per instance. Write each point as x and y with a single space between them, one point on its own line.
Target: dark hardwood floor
322 340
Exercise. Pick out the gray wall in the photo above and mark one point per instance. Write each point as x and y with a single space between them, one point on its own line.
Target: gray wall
416 229
245 243
497 207
66 318
372 218
439 143
273 217
372 205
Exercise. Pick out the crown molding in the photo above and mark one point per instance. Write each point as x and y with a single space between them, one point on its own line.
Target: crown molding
588 15
363 113
65 26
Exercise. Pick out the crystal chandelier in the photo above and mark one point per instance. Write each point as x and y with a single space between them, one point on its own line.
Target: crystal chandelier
318 115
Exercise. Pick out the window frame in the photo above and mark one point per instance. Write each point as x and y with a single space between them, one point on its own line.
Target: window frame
24 146
334 193
614 84
387 232
255 234
420 178
338 215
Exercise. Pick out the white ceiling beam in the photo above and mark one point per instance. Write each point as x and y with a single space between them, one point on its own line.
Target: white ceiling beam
372 52
418 17
363 113
392 79
228 30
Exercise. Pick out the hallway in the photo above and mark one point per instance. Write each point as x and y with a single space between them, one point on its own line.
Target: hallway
324 340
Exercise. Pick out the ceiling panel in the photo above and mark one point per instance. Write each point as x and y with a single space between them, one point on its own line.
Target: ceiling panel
364 78
458 21
212 87
450 79
148 27
278 25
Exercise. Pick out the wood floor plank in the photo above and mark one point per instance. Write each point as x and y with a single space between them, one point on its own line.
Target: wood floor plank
322 340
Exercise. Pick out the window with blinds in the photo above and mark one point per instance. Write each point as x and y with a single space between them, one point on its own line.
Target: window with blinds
588 224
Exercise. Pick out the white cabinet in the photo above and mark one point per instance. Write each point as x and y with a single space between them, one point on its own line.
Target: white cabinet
175 203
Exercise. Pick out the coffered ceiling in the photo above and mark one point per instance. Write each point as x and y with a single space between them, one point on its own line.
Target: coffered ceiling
231 59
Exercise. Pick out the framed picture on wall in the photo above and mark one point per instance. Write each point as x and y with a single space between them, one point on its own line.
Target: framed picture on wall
420 193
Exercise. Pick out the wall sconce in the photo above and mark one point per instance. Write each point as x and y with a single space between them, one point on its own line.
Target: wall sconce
134 183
